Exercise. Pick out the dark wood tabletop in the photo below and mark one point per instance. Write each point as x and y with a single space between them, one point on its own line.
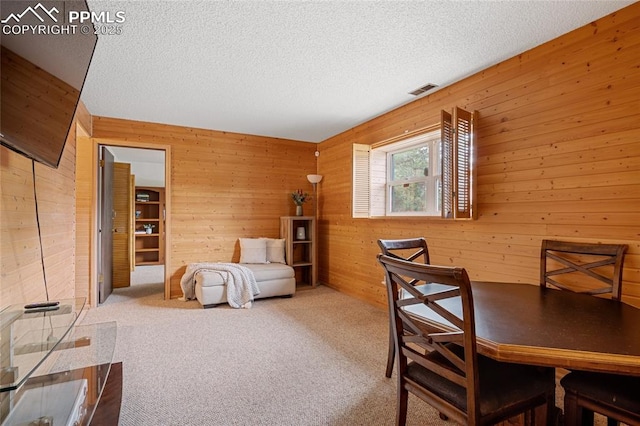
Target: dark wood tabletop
542 326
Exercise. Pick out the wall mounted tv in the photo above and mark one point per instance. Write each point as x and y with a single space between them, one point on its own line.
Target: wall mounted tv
45 59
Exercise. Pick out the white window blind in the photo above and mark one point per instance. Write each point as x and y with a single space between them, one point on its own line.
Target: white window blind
361 180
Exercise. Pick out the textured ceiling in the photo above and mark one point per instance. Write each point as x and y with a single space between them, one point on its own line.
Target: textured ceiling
305 70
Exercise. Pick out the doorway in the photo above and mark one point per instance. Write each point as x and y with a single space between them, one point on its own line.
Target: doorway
138 256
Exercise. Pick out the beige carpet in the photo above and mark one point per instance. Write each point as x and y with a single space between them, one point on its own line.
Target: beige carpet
147 274
315 359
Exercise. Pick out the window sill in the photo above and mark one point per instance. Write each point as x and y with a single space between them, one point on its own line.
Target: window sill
414 216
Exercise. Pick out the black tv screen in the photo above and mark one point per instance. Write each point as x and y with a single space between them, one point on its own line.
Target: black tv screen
46 54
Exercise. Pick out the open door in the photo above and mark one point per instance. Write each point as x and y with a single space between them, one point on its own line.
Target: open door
123 212
105 225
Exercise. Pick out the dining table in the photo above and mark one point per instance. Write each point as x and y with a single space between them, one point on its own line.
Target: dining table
530 324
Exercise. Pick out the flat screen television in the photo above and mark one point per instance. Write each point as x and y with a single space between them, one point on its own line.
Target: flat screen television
45 59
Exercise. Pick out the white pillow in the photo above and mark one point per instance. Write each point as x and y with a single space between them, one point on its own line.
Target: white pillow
275 250
253 250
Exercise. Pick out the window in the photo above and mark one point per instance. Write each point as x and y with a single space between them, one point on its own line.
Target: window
413 177
428 173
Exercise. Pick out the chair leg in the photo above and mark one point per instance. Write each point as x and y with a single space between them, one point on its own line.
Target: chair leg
575 415
530 417
391 355
401 411
571 411
588 418
557 417
553 413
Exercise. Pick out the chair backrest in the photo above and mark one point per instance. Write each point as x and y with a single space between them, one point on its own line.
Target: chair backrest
457 359
408 249
588 268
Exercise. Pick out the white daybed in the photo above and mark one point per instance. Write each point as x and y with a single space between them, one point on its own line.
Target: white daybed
273 279
265 260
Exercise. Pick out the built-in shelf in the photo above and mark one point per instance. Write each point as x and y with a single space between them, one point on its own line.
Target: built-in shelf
149 209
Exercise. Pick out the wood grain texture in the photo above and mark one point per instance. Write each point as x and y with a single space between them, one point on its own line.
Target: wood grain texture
108 410
21 272
86 206
224 186
517 323
558 157
21 264
301 254
122 205
150 248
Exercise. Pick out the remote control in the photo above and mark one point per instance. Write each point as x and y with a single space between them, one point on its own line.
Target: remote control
41 305
42 309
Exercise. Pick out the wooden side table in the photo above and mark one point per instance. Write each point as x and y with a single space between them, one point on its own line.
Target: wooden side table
299 233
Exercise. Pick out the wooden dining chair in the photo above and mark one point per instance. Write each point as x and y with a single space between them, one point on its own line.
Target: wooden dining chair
589 268
594 269
614 396
410 249
444 368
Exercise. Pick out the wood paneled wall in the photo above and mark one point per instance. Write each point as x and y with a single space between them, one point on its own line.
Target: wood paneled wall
85 227
224 186
21 272
558 157
21 266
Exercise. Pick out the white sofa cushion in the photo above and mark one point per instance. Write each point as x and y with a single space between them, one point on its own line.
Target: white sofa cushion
275 250
271 271
261 272
253 250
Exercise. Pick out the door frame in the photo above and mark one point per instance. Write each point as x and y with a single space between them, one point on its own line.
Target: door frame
96 143
105 223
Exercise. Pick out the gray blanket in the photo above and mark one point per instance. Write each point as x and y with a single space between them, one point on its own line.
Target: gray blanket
240 281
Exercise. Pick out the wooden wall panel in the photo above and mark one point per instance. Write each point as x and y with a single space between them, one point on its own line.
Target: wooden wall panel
21 272
22 278
85 204
224 186
558 157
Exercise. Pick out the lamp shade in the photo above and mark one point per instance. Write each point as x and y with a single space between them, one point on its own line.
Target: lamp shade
314 178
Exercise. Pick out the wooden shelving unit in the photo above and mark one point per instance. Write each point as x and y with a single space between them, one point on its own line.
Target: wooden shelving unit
301 253
149 209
